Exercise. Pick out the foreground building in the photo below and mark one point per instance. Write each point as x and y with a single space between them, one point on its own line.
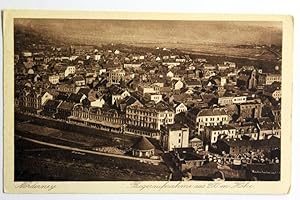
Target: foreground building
201 118
175 136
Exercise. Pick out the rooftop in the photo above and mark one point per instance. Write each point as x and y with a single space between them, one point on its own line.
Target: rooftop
143 144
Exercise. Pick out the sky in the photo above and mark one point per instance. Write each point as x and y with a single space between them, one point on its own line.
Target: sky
158 32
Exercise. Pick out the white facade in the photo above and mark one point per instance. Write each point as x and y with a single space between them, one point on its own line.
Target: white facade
170 74
223 81
147 89
98 103
27 54
209 120
231 100
47 96
97 57
178 85
177 138
101 71
166 117
116 75
132 65
240 99
80 82
180 108
156 97
180 60
69 70
54 79
212 134
276 94
119 96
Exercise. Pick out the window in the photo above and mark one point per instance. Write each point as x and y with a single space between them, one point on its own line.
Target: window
179 140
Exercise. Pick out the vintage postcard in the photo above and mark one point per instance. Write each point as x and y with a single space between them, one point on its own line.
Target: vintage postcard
105 102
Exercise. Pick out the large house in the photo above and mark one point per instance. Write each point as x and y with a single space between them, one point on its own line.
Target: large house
175 136
116 76
33 101
201 118
250 109
213 133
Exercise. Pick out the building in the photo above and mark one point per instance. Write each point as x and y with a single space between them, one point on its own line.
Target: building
247 79
268 79
250 109
230 64
79 81
229 100
268 129
187 158
247 130
201 118
50 108
117 93
177 84
193 83
166 114
105 119
196 143
148 89
273 91
132 65
179 107
170 74
76 98
214 133
143 148
234 146
116 76
142 120
175 136
53 79
154 97
33 101
66 71
64 110
97 102
64 87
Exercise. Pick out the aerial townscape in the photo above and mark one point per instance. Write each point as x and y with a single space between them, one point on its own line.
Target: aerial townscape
123 112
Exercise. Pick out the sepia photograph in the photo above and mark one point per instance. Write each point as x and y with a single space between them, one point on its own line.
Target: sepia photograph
158 100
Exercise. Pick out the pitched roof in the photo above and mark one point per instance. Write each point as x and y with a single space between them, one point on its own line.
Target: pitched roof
78 78
75 98
115 90
212 112
52 104
66 106
84 91
193 82
143 144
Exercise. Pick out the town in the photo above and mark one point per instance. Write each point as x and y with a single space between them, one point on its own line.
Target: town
164 112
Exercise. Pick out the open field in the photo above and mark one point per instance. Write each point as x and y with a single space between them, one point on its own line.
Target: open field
38 162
